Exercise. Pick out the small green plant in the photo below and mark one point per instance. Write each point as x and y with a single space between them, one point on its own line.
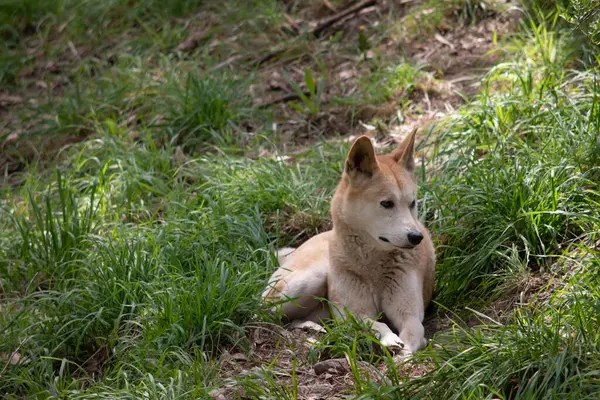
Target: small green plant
312 97
201 109
394 82
363 41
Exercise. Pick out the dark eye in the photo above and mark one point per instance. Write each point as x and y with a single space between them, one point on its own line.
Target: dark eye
387 204
413 204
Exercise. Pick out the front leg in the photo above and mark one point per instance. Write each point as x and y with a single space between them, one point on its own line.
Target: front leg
384 334
405 309
412 332
345 292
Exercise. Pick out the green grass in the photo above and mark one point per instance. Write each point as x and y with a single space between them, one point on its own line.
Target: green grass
521 182
133 256
516 190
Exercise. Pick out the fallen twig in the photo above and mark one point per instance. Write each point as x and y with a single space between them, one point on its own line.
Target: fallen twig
327 22
225 63
13 357
329 5
292 23
319 29
192 41
283 99
268 57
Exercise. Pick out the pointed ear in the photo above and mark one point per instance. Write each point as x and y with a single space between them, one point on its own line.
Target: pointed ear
361 160
404 154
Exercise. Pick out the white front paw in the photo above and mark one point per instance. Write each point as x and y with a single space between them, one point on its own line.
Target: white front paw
412 346
307 326
392 341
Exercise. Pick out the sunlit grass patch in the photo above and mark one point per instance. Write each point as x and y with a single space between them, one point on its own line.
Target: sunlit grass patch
137 96
393 82
433 16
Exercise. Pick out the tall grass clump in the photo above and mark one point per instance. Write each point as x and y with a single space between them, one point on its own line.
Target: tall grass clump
199 109
121 296
517 175
52 233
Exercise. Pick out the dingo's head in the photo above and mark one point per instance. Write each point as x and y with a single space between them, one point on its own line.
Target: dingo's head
377 195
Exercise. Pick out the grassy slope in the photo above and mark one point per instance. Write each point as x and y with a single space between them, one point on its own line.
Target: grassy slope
129 269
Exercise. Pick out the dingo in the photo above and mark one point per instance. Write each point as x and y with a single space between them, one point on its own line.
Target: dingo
378 258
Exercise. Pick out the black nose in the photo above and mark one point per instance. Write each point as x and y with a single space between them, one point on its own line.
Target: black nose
415 237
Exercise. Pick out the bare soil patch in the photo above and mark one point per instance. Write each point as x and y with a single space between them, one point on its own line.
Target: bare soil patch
282 353
462 55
